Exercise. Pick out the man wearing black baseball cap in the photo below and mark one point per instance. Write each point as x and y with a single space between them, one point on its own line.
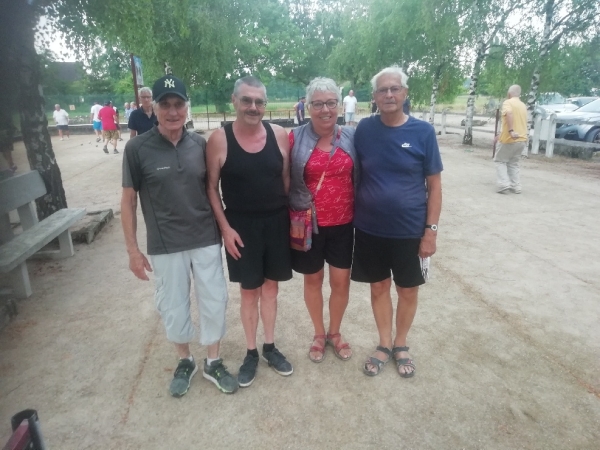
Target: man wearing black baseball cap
166 167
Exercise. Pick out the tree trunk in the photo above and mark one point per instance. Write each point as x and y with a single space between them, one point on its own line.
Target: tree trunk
434 92
34 124
544 48
468 137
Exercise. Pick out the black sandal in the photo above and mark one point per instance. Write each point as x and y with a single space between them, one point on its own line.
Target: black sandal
404 362
376 362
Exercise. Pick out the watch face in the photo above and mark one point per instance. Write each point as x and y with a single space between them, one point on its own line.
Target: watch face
434 227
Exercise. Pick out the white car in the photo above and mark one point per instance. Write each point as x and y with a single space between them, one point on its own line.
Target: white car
553 102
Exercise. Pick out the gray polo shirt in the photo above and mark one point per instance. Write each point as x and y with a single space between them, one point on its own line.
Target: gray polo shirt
171 182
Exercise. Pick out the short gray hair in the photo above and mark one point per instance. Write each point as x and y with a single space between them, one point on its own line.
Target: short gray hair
57 105
322 84
146 89
249 81
392 70
515 90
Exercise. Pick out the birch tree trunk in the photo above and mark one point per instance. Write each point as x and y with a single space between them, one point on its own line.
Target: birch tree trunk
544 48
468 136
434 92
34 124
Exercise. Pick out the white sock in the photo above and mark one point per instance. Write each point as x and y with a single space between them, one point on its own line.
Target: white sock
209 360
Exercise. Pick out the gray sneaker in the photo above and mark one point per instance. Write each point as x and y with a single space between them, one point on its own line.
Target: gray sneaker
248 371
218 374
278 362
184 373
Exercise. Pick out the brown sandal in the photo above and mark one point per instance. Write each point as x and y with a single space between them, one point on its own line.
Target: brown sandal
318 348
337 348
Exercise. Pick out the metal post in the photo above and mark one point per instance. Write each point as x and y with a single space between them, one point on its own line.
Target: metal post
135 85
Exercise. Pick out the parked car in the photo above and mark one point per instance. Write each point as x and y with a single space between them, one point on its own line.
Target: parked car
580 101
588 131
553 102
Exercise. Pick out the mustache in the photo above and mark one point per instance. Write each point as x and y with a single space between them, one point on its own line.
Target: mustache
252 113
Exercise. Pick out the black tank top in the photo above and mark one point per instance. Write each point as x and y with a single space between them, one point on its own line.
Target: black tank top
253 182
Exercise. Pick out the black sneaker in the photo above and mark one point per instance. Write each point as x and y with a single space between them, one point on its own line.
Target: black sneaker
278 362
184 373
248 371
97 139
218 374
116 151
105 150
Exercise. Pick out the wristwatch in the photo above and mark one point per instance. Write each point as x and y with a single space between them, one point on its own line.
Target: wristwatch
433 227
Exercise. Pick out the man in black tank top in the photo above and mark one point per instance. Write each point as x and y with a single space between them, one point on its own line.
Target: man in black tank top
251 159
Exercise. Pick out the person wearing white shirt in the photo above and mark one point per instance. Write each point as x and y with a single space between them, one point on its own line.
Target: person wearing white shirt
61 117
350 108
97 124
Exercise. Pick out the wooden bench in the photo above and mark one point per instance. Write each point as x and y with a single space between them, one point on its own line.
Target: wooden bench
18 193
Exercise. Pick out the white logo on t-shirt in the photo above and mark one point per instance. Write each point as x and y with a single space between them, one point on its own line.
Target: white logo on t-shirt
163 168
406 145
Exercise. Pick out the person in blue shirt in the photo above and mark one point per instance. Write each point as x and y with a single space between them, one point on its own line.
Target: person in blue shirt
397 208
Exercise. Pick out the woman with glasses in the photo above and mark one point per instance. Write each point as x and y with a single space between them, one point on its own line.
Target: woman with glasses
324 173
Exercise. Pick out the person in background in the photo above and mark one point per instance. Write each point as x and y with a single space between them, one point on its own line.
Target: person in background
299 109
350 102
512 141
108 117
96 123
61 118
127 110
143 118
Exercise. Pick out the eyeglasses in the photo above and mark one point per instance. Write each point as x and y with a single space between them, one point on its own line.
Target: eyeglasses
247 102
318 105
145 96
394 90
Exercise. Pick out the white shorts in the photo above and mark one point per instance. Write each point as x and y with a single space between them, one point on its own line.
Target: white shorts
172 295
349 117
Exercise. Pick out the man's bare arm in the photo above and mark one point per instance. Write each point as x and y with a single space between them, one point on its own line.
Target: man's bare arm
434 209
138 263
132 133
284 146
216 154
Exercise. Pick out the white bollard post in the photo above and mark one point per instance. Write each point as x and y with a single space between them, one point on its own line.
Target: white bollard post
550 138
537 131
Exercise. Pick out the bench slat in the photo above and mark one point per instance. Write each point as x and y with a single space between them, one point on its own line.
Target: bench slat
20 190
30 241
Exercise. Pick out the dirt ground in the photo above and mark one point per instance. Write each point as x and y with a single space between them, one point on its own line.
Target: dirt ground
506 339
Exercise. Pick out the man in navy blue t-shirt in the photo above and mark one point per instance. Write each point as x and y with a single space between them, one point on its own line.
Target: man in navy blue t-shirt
397 208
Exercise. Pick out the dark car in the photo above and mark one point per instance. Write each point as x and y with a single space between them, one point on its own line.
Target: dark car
588 131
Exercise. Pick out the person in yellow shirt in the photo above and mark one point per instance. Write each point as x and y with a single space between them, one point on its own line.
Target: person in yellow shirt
512 141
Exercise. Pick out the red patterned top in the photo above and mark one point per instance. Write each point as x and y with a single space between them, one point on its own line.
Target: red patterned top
335 199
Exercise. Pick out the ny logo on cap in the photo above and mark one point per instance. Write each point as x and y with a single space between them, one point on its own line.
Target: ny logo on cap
169 83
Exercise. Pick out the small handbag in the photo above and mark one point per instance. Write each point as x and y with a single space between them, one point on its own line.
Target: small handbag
301 222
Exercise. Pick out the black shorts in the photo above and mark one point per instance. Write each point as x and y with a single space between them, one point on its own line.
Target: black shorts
333 244
62 127
375 257
266 251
